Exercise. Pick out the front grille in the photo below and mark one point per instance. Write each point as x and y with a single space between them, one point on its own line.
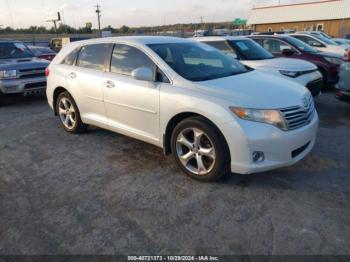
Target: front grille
32 73
298 116
315 86
35 85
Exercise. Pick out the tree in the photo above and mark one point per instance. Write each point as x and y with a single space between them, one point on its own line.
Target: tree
124 29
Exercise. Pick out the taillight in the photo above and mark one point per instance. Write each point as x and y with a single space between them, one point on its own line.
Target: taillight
47 71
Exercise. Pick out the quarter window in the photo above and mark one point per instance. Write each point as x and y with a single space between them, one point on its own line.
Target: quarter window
93 56
126 59
70 58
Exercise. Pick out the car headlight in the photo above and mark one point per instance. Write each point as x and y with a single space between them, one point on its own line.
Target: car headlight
293 74
8 74
272 117
334 60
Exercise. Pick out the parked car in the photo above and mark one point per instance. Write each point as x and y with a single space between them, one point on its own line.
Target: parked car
344 83
347 37
341 41
253 55
57 43
323 44
315 33
211 112
200 33
287 46
43 52
20 71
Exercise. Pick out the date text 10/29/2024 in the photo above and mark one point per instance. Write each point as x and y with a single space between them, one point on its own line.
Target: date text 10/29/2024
173 258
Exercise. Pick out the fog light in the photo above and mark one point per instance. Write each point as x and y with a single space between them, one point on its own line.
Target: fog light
258 157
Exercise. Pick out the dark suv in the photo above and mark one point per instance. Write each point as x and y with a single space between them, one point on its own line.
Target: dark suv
20 71
287 46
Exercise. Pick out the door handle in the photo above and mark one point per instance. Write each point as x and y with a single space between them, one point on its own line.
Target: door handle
72 75
109 84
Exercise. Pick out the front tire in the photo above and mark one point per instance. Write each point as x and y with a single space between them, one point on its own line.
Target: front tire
200 149
69 114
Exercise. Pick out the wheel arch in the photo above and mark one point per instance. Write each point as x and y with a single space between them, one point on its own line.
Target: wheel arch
175 120
58 90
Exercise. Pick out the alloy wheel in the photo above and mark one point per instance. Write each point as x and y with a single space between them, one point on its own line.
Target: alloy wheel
67 113
195 151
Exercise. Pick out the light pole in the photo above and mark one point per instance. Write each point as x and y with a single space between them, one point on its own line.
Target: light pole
98 12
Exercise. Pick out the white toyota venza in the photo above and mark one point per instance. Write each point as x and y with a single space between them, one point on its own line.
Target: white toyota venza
212 113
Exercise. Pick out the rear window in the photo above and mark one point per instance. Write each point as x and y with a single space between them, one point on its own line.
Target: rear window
93 56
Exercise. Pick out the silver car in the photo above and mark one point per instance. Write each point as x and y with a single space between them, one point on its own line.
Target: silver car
344 83
20 71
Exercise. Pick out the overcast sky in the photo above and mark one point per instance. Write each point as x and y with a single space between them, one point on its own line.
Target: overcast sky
22 13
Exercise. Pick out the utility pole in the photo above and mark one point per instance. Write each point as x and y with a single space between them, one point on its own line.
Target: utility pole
98 12
54 20
201 21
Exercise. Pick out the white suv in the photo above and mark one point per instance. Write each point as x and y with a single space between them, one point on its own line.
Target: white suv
252 54
211 112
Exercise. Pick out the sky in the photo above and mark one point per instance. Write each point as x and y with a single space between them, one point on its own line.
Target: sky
23 13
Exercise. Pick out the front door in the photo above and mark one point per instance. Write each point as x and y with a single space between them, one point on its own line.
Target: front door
132 105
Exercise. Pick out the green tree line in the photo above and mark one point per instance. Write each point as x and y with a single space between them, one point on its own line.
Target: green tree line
66 29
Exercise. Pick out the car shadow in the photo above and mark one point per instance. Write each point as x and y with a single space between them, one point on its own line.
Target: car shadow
13 100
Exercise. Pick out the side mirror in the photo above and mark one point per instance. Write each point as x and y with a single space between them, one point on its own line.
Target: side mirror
288 52
143 74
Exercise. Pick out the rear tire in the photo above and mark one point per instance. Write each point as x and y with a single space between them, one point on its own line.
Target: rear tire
200 149
69 114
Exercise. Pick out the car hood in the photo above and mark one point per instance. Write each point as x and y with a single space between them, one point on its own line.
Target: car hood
256 90
328 54
23 63
281 64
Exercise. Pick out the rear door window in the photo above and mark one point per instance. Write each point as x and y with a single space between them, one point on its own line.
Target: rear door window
93 56
275 46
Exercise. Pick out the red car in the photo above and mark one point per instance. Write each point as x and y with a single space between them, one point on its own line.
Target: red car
287 46
43 52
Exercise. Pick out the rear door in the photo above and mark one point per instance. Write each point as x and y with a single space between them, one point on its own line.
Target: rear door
86 80
132 105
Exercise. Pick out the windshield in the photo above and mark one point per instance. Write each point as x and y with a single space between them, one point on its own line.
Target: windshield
14 50
326 40
325 35
301 45
250 50
197 61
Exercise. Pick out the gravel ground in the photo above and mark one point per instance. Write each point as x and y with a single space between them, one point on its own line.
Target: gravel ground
103 193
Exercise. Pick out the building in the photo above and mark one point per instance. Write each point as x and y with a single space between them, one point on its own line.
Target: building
330 16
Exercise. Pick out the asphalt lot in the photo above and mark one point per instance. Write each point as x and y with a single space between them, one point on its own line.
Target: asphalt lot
103 193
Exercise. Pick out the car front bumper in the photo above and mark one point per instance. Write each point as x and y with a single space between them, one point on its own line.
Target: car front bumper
24 86
280 148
